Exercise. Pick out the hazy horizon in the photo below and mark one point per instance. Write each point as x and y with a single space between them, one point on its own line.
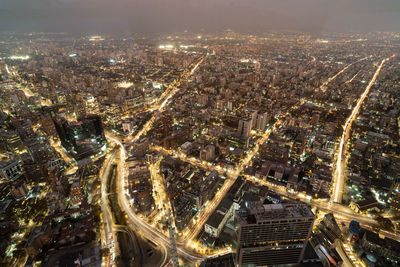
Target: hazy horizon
152 16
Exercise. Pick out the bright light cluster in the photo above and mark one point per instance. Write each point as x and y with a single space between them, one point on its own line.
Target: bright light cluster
166 47
20 57
125 84
96 38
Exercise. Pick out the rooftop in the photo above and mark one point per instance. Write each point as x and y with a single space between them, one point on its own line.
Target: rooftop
256 212
4 164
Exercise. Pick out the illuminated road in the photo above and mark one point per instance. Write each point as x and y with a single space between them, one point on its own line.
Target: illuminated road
338 182
136 222
188 235
27 91
135 246
173 88
160 196
324 205
352 78
323 87
159 193
160 238
72 168
232 174
7 69
109 236
346 260
170 92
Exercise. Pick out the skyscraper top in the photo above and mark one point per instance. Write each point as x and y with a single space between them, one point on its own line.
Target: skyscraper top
258 213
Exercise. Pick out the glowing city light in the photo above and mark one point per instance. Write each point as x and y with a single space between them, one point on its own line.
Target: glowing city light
166 47
96 38
125 84
19 57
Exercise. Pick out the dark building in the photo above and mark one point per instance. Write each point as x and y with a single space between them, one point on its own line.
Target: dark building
220 261
10 141
83 138
183 211
395 204
48 125
10 170
142 195
93 125
386 248
325 240
64 131
275 234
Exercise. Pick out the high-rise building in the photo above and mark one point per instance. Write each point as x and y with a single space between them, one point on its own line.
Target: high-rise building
128 126
82 138
253 116
229 105
94 125
48 125
244 127
141 147
273 235
64 131
395 204
324 240
208 153
203 154
262 120
75 194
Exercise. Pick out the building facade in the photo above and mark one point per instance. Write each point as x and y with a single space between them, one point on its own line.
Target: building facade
273 235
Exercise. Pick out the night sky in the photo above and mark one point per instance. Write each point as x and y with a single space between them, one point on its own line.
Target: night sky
120 16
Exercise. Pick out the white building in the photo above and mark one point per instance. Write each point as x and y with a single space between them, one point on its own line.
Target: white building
10 170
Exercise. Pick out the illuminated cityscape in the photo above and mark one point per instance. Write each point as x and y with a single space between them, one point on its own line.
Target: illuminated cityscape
202 147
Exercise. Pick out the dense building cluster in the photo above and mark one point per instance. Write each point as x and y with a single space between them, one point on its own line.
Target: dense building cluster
280 148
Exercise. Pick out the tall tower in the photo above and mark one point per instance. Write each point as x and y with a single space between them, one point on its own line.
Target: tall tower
262 121
244 127
271 235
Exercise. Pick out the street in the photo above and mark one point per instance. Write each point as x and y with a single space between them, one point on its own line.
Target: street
339 178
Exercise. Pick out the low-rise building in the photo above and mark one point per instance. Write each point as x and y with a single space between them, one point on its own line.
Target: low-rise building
217 220
364 205
10 170
75 194
383 247
40 236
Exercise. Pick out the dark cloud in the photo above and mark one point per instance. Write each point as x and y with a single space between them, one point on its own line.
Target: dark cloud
170 15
